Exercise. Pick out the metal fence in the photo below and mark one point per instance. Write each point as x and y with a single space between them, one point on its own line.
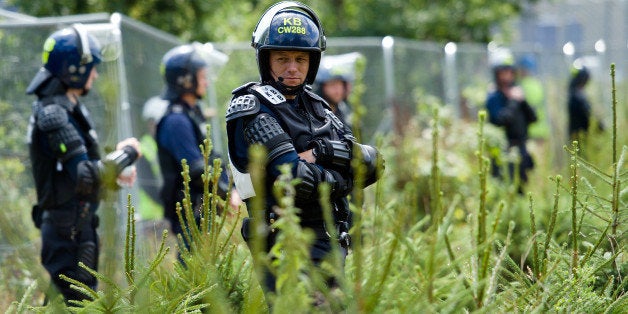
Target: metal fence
399 75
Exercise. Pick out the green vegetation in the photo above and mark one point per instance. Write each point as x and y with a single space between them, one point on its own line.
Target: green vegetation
220 21
435 234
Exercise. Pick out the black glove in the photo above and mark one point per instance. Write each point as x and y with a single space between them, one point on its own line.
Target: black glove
340 186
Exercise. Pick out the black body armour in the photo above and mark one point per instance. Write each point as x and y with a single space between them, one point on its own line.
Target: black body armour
59 131
310 119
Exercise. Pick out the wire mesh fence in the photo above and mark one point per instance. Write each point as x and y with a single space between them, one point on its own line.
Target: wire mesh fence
399 75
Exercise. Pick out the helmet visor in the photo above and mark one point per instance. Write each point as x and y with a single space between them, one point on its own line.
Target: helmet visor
109 41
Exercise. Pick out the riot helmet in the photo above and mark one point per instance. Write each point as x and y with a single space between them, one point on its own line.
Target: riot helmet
288 25
179 68
527 62
68 58
579 77
332 85
501 59
326 74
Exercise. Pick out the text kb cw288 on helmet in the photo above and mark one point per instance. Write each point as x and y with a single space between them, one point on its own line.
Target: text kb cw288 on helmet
288 25
179 68
69 56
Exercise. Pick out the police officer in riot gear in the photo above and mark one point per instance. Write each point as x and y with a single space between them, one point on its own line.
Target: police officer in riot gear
335 88
296 126
508 108
66 164
182 130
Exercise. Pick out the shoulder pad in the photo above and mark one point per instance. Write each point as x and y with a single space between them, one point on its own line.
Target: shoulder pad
241 106
51 117
61 100
268 93
243 88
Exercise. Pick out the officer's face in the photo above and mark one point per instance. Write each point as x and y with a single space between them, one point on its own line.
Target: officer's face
334 91
292 66
201 78
93 75
505 78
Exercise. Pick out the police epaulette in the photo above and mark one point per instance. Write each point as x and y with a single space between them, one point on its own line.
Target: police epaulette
268 94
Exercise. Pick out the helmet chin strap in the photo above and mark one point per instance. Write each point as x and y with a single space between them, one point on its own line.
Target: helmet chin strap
285 89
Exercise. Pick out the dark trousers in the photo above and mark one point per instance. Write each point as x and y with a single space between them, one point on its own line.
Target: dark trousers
63 248
526 163
319 250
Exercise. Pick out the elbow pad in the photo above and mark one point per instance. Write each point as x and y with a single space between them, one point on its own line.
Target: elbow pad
265 130
372 161
87 177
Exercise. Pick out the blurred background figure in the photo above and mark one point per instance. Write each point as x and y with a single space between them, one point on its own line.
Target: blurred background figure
182 130
535 95
508 108
579 109
149 177
334 82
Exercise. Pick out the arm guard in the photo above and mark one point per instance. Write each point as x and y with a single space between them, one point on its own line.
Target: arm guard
265 130
331 154
91 174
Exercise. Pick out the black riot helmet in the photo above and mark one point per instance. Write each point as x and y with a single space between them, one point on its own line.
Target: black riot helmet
68 58
288 25
179 68
579 77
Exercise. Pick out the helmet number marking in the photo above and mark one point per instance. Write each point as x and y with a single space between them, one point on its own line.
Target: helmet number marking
292 25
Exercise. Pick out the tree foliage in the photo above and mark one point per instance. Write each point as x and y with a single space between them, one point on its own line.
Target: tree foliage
216 20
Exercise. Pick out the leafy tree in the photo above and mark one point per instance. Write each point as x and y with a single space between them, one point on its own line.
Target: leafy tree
446 20
216 20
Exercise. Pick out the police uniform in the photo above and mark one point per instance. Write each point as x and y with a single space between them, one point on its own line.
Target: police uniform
515 117
179 134
578 105
66 164
62 136
261 114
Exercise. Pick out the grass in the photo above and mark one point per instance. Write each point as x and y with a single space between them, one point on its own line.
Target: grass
436 234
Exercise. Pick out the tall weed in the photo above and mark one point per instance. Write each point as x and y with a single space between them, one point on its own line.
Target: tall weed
436 234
